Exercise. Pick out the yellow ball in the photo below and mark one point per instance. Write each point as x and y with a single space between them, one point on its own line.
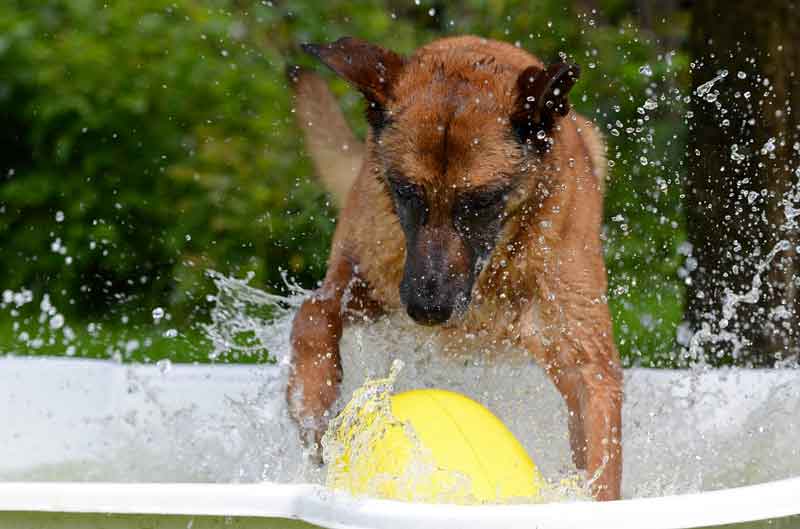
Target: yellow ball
458 452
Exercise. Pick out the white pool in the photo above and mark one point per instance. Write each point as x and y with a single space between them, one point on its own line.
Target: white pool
99 444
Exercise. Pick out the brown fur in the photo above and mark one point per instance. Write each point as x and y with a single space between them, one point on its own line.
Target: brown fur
450 108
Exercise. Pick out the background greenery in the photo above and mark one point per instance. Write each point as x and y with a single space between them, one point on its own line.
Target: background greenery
146 142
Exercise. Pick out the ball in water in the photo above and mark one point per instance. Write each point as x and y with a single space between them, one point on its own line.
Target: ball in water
456 450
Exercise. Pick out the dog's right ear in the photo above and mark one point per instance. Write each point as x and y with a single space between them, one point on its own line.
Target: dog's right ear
541 100
369 68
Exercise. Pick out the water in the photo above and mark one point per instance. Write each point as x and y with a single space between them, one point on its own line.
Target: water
684 431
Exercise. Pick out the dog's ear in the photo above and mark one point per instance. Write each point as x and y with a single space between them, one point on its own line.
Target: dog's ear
369 68
541 100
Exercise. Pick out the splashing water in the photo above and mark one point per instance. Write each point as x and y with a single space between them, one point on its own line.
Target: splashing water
678 436
682 431
730 303
704 90
721 327
246 321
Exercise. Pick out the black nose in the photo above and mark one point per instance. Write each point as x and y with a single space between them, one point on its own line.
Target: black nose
428 313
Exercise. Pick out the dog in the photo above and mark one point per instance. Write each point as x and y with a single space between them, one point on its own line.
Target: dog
475 204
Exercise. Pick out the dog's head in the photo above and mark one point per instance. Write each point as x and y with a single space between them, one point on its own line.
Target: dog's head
456 139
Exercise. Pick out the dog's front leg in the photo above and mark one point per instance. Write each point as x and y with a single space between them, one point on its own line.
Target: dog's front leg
316 369
593 392
587 371
572 340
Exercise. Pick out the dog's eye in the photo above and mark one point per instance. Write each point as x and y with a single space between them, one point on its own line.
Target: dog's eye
409 202
407 192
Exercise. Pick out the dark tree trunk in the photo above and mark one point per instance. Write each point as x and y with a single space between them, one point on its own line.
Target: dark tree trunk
744 166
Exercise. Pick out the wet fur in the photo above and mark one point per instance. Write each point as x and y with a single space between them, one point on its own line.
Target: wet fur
441 119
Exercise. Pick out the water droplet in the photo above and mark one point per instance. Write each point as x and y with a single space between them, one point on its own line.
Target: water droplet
57 321
59 216
705 88
158 313
646 70
57 247
164 365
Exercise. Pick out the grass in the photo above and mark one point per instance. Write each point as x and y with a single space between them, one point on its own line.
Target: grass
645 321
642 340
130 342
645 310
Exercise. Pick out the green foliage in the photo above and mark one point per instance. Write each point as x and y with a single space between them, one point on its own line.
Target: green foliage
122 342
164 139
162 131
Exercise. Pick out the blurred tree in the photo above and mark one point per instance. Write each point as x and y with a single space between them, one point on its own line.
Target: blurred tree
146 142
744 157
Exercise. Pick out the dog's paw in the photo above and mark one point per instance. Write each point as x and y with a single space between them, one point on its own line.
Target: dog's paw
311 439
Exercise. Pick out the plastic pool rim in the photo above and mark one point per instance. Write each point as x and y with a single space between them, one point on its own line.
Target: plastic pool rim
317 505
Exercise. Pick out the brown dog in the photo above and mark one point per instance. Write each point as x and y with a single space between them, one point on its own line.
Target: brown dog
475 205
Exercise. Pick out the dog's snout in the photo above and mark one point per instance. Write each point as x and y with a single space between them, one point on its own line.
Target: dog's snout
437 280
428 313
428 302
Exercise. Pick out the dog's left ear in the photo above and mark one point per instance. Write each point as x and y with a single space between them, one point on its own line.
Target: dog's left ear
542 99
369 68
